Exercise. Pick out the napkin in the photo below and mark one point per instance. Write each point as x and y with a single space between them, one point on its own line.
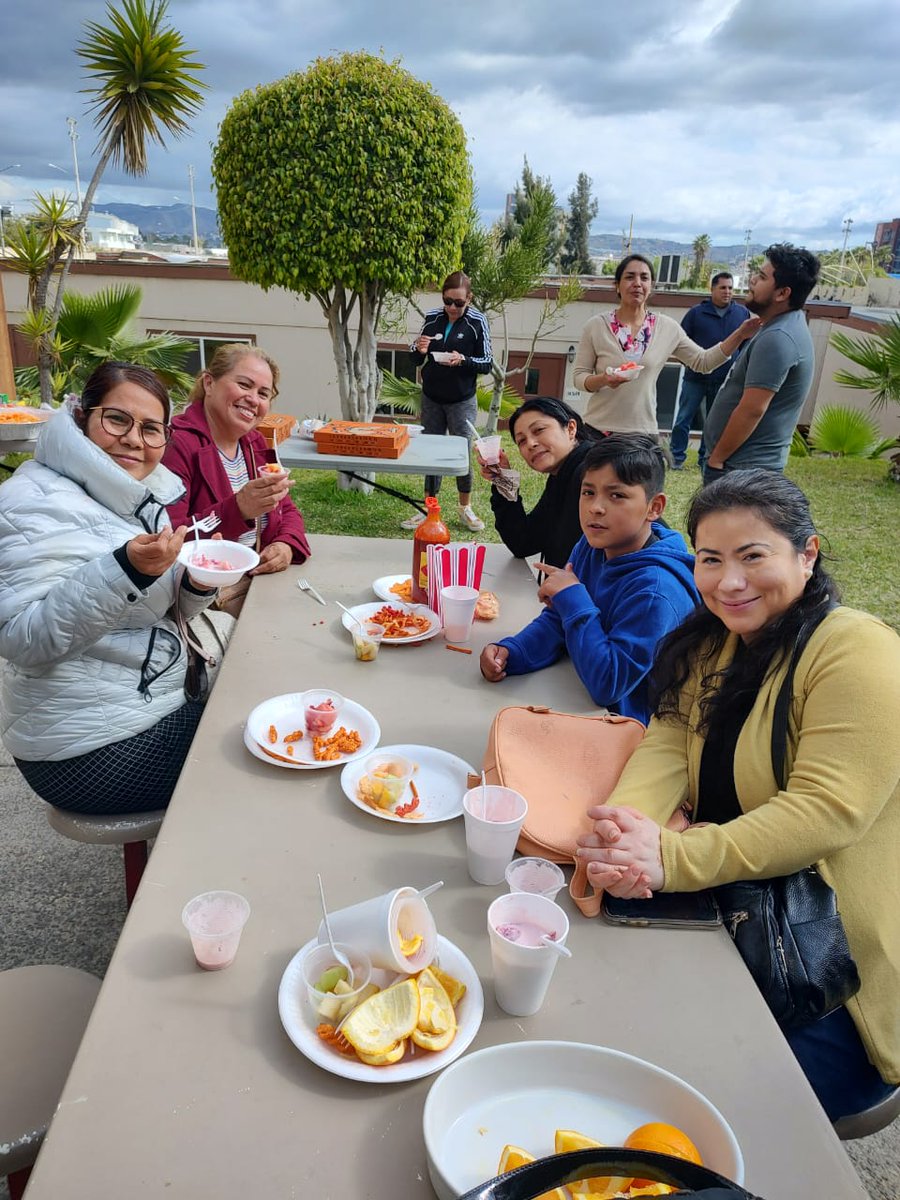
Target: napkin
458 563
507 483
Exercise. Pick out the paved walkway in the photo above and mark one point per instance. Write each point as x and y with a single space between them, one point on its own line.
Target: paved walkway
64 902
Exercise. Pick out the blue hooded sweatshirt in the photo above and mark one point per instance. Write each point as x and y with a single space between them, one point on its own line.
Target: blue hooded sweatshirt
611 621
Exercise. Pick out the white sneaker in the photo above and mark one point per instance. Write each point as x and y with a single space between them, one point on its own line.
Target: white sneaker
469 519
413 522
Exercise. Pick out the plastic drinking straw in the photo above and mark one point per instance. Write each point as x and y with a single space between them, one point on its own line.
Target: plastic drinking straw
484 815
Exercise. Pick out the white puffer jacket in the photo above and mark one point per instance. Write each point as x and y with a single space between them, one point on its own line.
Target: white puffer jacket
90 658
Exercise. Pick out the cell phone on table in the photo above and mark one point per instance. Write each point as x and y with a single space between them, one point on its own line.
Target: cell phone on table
686 910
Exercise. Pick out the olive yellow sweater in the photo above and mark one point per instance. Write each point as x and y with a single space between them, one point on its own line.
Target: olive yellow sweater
839 809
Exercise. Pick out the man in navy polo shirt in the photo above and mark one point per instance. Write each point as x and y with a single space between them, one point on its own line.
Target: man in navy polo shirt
707 324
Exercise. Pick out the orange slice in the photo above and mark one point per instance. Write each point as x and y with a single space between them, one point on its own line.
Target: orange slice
603 1186
436 1027
664 1139
453 987
515 1156
394 1054
377 1025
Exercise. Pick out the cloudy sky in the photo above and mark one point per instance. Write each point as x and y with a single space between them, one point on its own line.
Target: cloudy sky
695 116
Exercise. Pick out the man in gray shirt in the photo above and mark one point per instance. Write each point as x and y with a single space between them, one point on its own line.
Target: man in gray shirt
752 419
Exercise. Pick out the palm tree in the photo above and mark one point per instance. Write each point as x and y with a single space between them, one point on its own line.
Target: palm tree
701 246
144 83
879 357
95 329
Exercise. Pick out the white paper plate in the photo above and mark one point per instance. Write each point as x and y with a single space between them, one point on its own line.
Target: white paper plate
286 713
382 587
522 1092
300 1022
441 781
631 373
441 356
365 612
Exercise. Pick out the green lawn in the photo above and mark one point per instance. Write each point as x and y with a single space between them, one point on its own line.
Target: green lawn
855 507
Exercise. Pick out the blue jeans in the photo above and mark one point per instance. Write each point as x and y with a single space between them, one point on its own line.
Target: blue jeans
834 1061
693 393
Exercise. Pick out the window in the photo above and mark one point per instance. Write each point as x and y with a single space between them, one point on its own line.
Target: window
532 382
205 346
398 362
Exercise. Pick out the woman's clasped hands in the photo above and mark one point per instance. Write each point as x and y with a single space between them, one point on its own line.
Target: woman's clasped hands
622 852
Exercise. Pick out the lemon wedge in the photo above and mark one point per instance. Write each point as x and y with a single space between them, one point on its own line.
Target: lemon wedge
601 1188
436 1026
410 946
377 1025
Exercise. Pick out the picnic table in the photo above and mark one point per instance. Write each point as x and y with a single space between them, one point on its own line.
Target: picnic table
186 1084
427 454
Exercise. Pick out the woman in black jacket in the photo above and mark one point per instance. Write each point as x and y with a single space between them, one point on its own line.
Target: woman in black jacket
553 440
453 349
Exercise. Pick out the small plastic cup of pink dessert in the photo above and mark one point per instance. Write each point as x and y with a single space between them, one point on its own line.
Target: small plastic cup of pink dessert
215 921
321 709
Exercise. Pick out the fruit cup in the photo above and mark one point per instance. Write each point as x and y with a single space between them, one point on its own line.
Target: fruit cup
384 783
367 640
320 711
331 989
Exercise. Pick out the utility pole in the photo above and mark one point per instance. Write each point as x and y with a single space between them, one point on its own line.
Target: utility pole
846 228
193 211
746 269
73 134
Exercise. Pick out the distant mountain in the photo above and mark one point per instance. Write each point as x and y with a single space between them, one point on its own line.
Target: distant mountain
604 244
167 220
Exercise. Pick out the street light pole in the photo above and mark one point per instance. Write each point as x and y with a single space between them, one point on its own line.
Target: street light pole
747 234
193 211
846 227
72 124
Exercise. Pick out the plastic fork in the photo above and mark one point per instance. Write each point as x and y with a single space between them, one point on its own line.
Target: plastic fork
205 525
305 586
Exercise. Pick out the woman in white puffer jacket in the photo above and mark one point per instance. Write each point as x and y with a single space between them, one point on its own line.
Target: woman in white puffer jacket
93 705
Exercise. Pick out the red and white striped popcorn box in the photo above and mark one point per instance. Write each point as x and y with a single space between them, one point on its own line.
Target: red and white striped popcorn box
458 563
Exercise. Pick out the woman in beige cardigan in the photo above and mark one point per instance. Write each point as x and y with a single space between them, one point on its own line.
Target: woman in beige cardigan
633 334
707 750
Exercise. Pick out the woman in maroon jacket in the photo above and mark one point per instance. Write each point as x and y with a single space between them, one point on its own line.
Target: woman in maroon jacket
218 455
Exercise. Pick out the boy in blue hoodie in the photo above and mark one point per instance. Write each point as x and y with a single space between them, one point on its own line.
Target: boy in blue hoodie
629 583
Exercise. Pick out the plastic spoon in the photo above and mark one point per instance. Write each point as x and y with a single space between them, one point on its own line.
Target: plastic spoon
339 957
562 951
344 608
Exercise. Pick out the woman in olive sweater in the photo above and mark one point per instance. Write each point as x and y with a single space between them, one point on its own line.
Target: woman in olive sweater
553 440
708 749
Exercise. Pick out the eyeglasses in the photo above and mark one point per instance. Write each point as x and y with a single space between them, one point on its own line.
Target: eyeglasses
448 303
117 424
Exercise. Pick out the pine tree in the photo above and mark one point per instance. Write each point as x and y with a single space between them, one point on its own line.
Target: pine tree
576 258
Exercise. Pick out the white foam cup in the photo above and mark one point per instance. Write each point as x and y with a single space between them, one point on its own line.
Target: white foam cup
494 817
378 926
524 967
458 611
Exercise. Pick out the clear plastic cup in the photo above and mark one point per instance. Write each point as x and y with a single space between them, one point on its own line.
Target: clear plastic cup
489 449
321 709
539 876
367 640
215 921
384 782
332 1005
523 965
458 611
494 817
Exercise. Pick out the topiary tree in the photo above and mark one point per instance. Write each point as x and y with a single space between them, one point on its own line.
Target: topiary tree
347 182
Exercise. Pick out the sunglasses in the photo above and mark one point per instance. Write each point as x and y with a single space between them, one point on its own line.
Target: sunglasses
448 303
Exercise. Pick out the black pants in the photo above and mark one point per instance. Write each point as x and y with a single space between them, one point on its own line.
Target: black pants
135 775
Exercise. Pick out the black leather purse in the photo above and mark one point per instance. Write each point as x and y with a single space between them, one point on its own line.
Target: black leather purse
533 1180
788 930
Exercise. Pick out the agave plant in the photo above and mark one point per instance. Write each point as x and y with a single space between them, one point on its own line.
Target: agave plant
846 432
879 357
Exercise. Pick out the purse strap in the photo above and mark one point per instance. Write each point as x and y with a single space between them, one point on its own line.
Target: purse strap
783 702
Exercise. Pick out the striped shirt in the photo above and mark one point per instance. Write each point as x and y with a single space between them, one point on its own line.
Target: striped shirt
236 470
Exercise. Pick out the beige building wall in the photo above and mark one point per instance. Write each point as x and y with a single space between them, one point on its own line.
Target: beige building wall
207 300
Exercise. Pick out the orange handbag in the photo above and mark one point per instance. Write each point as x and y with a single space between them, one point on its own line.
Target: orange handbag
563 765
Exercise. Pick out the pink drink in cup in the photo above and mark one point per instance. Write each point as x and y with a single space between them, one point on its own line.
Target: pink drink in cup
523 964
489 449
458 611
493 817
215 921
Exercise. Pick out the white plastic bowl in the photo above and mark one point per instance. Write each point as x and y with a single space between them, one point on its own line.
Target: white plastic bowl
243 557
414 430
521 1092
